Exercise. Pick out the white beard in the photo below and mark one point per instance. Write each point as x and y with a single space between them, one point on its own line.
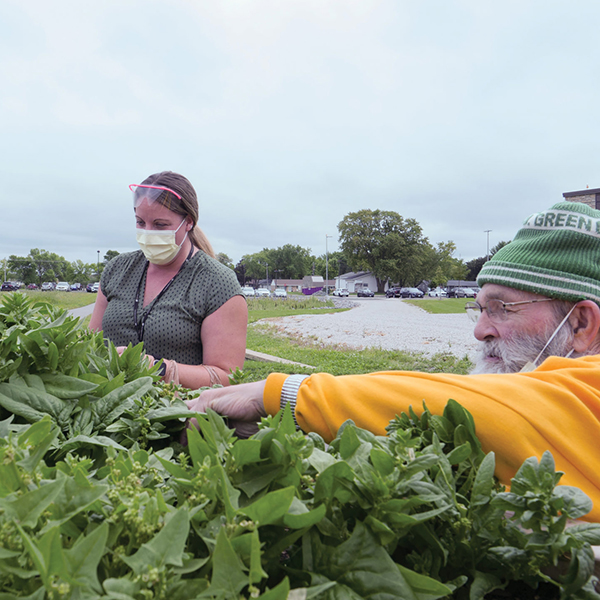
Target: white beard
514 353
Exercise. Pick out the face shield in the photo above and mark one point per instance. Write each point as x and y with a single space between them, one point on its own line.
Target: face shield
151 193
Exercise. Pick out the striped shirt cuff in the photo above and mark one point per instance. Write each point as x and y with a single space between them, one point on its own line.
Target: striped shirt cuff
289 393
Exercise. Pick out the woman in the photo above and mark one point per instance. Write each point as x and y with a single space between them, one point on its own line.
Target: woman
173 295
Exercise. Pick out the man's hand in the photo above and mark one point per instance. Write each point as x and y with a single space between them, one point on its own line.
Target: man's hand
242 404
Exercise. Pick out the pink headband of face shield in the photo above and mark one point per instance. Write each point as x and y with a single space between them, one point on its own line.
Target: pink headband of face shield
149 192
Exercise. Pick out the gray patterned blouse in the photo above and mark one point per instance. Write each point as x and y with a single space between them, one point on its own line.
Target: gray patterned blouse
172 321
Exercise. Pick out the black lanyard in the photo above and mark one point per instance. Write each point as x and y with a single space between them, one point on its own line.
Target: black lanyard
139 327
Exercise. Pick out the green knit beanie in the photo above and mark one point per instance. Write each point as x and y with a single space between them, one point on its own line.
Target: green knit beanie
556 253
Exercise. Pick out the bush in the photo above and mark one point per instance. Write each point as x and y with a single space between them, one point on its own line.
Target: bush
100 500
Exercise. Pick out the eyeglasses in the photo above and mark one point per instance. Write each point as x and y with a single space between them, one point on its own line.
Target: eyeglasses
496 309
149 192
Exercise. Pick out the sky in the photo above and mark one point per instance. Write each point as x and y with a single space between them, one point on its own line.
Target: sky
286 115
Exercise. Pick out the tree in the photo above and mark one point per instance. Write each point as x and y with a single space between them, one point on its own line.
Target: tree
21 268
240 271
39 266
83 272
224 260
475 265
441 266
289 262
110 254
385 244
337 264
254 265
286 262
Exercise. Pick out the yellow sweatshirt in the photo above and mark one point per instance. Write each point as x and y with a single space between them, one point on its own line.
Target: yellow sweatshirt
555 408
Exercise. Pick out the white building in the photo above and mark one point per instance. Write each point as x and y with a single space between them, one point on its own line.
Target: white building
356 281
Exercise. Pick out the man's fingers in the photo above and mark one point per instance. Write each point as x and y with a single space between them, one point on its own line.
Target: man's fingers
239 402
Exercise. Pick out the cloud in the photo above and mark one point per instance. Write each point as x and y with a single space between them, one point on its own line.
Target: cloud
286 116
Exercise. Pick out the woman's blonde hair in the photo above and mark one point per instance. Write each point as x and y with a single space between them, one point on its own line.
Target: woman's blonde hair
186 206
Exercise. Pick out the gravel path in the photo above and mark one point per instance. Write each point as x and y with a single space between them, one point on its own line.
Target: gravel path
386 323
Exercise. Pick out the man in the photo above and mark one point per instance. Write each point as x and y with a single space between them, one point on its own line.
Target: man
552 263
540 296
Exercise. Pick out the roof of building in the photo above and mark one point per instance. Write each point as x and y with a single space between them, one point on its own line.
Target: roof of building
352 275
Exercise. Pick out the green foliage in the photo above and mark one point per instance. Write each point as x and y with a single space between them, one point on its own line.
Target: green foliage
110 254
416 514
98 499
439 265
224 260
331 264
475 265
41 265
286 262
384 243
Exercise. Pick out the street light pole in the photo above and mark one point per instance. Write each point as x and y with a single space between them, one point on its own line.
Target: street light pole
98 267
327 265
487 257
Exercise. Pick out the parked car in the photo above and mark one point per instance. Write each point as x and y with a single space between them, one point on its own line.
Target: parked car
248 291
340 292
437 292
48 286
90 287
32 286
462 292
410 292
95 287
10 286
280 293
63 286
393 292
365 292
75 287
262 292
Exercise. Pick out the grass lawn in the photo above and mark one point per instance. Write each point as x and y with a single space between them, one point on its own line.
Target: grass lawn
263 308
66 300
441 306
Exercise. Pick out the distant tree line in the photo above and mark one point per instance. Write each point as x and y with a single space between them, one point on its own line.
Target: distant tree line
394 249
40 265
391 247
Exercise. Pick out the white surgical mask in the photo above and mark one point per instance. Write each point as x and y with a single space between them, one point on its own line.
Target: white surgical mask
158 246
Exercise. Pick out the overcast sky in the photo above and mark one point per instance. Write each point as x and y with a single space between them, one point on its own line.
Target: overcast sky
286 115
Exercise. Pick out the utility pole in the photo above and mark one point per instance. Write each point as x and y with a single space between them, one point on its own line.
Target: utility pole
487 256
327 266
98 267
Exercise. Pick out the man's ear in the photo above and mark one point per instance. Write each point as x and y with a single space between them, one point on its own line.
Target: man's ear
585 321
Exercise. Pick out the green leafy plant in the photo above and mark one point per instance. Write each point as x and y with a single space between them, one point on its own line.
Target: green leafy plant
98 498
